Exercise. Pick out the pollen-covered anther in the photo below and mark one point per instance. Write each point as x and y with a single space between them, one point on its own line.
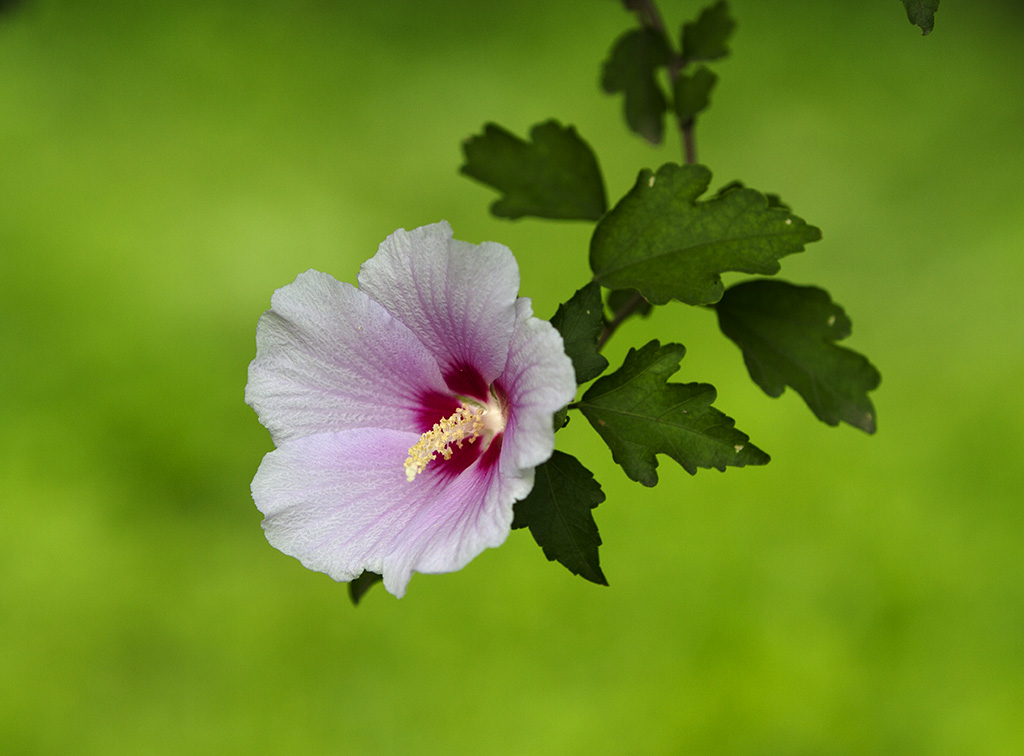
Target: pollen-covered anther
464 425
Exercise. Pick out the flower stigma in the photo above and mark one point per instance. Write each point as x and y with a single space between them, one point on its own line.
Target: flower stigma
468 423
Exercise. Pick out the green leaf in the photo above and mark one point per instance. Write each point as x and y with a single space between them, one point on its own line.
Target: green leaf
922 13
639 414
357 588
630 69
692 93
561 419
580 321
661 241
558 513
788 334
705 38
774 200
556 176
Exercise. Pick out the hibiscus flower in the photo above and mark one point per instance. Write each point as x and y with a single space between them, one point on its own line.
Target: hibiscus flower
409 414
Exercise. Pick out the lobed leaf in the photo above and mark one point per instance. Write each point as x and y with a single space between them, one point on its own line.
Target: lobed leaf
692 93
662 241
580 321
705 38
639 415
558 513
630 69
555 176
774 200
787 334
922 13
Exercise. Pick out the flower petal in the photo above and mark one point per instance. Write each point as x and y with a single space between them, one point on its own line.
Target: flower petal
341 504
329 358
458 298
539 380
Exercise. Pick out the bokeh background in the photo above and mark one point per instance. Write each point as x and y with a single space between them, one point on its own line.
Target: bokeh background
165 166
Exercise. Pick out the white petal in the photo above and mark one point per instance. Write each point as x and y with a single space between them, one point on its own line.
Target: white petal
330 358
458 298
539 380
341 504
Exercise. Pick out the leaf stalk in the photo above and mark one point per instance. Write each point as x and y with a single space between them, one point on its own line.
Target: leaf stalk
632 305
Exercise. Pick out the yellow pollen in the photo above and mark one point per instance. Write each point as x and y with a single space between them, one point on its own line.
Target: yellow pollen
464 425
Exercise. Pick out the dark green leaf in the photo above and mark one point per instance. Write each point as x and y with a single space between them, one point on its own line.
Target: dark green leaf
661 241
557 511
922 13
630 69
774 200
357 588
692 93
787 335
580 321
639 414
556 176
705 38
561 419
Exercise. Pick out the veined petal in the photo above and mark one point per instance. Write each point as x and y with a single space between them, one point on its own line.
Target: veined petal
341 504
464 515
539 380
330 358
458 298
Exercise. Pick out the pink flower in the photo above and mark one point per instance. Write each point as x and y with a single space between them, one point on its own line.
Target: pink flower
408 414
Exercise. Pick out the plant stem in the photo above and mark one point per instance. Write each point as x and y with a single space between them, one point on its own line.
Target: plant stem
648 14
650 17
689 142
621 314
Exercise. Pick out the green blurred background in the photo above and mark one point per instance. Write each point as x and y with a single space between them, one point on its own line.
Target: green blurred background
165 166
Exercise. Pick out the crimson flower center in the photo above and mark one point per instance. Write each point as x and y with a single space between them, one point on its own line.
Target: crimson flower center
472 420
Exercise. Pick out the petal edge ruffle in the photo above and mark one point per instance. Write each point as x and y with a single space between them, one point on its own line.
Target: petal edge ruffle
539 380
340 503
